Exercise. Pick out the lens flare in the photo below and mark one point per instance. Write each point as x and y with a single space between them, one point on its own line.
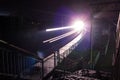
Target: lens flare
78 25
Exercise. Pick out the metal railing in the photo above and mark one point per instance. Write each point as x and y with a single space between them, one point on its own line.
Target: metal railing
57 57
16 61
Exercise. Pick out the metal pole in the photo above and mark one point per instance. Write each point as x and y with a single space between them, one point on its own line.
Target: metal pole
42 69
55 58
91 43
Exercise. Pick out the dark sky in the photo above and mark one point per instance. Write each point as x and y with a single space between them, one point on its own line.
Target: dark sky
29 18
35 7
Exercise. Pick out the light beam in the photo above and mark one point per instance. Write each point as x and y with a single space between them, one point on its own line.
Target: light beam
78 25
55 29
59 37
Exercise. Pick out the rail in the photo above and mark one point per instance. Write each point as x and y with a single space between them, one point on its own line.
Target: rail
15 61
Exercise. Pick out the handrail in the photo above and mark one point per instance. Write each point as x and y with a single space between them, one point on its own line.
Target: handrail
17 61
50 56
52 61
20 49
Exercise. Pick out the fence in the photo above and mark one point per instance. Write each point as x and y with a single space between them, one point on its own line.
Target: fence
16 62
57 57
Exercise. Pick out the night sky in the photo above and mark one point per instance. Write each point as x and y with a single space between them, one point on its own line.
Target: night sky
23 22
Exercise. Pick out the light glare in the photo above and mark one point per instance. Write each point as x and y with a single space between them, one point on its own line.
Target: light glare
78 25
